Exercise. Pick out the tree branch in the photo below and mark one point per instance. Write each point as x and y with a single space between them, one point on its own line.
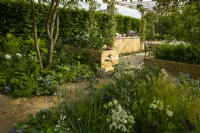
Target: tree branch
56 30
52 23
49 18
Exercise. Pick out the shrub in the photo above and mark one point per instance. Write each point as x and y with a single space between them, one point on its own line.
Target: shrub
179 53
22 76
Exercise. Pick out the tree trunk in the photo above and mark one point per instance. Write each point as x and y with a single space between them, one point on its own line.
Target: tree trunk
50 52
142 27
35 34
52 26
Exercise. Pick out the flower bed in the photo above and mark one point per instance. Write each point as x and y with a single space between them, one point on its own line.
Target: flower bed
142 100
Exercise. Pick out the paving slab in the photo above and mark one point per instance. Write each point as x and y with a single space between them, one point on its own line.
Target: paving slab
135 59
9 121
8 103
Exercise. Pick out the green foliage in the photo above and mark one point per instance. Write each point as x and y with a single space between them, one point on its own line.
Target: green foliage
182 24
154 100
43 122
71 66
11 44
88 41
22 76
81 117
72 22
15 18
179 53
138 100
151 18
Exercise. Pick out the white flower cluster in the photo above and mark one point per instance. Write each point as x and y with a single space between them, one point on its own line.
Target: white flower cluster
7 56
158 105
163 73
119 119
168 111
60 125
18 55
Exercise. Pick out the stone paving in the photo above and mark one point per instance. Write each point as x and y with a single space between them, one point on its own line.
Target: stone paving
14 110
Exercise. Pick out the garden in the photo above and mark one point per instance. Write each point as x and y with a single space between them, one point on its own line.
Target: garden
36 59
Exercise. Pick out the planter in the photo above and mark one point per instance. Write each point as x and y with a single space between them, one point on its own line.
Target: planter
175 67
107 59
128 44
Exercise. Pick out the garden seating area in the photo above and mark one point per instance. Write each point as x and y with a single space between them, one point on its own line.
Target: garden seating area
71 70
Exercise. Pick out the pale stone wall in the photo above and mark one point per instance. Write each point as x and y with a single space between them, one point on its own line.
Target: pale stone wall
128 44
107 59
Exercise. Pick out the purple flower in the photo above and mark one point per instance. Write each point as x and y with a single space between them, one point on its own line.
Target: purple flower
46 110
4 83
177 80
20 130
13 130
150 65
6 88
197 82
58 93
187 75
58 86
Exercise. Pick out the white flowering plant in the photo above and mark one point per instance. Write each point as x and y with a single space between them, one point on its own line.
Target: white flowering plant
159 109
119 119
7 56
136 101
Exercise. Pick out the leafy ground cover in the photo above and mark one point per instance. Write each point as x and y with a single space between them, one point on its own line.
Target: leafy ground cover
138 100
21 74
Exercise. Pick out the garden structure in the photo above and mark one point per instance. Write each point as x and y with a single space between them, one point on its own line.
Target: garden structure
128 45
107 59
176 58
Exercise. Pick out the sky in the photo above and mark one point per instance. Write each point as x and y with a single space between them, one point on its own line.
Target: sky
124 10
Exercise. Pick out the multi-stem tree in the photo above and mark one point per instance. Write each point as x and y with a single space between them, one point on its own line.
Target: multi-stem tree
51 27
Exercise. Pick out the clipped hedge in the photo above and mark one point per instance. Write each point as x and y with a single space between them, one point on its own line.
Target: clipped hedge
184 53
15 18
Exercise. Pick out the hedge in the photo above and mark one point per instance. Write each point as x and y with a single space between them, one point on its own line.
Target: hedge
15 18
184 53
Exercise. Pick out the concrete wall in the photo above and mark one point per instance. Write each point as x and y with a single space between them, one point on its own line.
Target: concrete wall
128 44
